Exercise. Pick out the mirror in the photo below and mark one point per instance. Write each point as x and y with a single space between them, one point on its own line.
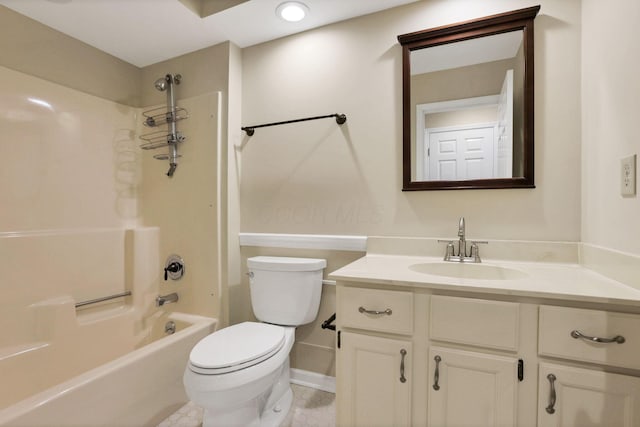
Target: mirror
468 104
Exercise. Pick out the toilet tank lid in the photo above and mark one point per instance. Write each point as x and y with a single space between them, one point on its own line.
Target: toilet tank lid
273 263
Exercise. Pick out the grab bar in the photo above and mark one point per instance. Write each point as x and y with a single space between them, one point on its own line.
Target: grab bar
97 300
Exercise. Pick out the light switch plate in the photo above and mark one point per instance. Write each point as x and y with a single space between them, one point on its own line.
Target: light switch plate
628 176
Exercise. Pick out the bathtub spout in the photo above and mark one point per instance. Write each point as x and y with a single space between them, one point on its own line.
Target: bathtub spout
166 299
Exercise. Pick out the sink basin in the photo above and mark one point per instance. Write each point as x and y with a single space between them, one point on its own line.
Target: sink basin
468 271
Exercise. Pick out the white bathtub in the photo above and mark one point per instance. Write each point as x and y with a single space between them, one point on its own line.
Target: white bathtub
139 388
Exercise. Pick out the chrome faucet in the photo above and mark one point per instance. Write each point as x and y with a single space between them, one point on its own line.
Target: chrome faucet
462 256
166 299
462 242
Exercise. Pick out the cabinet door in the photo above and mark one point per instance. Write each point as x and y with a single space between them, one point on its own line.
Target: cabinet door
370 373
471 389
583 397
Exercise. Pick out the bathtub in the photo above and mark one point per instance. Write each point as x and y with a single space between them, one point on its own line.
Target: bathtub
139 388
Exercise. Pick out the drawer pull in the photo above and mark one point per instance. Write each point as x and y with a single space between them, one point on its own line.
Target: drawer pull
436 374
617 339
403 353
375 312
552 394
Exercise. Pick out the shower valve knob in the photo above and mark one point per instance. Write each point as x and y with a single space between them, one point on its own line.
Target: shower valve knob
174 268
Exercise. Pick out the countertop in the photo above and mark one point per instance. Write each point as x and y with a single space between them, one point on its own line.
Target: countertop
568 282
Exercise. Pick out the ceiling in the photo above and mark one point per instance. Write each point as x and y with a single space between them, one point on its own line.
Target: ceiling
144 32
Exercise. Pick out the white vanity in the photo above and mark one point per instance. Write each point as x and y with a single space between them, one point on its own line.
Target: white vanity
422 342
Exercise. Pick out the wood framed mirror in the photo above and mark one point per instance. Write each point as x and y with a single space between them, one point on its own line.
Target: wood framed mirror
468 104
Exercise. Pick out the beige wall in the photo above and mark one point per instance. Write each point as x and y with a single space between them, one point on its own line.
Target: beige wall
610 111
32 48
462 117
317 177
459 83
203 71
190 208
233 260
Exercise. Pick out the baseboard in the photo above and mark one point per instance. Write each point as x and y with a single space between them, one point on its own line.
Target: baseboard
313 380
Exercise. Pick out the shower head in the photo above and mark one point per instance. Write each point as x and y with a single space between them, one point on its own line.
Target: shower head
161 84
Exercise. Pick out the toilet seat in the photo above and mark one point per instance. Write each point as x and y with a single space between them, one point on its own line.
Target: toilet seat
236 347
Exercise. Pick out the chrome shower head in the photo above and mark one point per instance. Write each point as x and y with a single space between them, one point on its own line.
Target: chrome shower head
161 84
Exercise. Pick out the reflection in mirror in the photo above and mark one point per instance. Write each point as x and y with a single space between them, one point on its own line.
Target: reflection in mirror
468 104
478 136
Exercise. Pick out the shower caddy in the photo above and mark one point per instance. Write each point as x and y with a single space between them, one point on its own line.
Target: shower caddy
166 119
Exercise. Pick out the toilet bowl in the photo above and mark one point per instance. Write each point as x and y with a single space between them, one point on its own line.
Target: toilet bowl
240 374
237 392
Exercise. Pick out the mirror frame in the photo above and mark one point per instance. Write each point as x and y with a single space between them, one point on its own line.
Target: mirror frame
521 19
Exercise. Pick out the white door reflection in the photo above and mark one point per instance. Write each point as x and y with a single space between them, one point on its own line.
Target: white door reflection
465 139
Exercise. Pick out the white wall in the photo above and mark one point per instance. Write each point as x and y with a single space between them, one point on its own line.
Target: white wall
610 113
317 177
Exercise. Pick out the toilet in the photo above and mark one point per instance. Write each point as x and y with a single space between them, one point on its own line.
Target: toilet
240 374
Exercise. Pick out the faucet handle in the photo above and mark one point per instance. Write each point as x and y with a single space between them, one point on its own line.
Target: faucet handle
475 251
449 252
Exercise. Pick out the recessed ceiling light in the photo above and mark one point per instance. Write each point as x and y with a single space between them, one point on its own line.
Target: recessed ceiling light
292 11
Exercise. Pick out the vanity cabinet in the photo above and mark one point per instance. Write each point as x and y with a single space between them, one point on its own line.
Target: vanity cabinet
482 360
593 336
471 388
475 384
375 355
374 378
577 396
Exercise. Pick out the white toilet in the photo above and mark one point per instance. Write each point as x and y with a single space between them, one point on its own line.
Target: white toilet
240 374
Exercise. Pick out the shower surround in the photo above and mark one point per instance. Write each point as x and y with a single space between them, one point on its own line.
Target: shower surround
76 224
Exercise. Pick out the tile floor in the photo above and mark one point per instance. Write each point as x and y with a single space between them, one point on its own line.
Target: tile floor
310 408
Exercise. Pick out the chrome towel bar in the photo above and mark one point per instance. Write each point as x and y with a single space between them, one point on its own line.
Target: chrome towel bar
97 300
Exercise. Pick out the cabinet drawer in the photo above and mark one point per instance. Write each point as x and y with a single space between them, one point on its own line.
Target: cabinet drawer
356 307
492 324
556 336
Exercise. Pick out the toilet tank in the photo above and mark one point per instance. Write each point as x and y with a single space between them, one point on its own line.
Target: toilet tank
285 291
